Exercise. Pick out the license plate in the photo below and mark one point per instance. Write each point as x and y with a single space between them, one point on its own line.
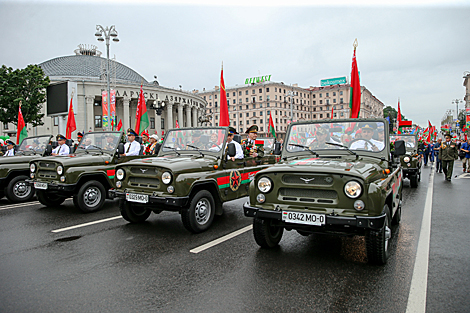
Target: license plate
133 197
38 185
303 218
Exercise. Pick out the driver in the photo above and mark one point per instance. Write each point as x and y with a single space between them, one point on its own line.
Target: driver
197 140
62 148
366 142
321 139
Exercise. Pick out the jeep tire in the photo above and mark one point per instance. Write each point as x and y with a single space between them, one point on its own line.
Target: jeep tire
91 196
49 199
414 180
18 190
2 193
378 241
200 214
266 234
133 213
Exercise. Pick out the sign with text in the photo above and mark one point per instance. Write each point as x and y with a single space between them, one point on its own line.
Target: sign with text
258 79
333 81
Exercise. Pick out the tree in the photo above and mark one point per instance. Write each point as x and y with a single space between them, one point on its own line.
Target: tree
27 85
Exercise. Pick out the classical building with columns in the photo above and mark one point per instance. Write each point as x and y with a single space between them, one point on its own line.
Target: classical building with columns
87 69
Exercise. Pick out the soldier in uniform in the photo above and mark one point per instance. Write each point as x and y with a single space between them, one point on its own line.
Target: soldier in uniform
79 138
448 152
238 148
110 144
10 146
62 148
250 149
131 147
321 138
367 131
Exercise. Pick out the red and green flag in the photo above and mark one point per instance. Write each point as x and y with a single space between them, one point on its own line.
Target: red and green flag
355 92
21 133
272 129
141 116
224 118
119 125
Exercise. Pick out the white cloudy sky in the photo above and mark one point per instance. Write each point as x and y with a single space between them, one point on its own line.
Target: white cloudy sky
413 50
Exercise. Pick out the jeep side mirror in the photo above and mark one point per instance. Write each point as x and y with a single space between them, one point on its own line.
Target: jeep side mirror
400 148
277 148
54 144
48 150
120 148
231 150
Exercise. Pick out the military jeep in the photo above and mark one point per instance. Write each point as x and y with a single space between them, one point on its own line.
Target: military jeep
336 177
86 174
14 170
411 162
189 175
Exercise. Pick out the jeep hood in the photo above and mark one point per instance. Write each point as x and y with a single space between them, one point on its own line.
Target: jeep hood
17 159
79 159
186 163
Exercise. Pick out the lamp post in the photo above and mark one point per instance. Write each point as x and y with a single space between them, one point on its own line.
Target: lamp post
457 101
107 33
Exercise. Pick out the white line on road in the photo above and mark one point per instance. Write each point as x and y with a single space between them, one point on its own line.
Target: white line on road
221 239
86 224
18 205
419 282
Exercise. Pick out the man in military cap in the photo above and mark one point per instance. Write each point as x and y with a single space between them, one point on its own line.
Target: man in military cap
196 136
448 152
250 146
238 148
321 139
79 138
62 148
131 147
10 148
366 142
110 142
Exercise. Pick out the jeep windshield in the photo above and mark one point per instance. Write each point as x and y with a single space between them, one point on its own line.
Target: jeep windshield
410 140
202 139
102 142
35 144
356 136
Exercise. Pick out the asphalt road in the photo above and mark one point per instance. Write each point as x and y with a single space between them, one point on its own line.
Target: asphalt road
116 266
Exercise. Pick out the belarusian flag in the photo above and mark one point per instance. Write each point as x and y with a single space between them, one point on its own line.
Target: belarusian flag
176 124
272 129
21 133
398 118
141 116
355 92
119 125
71 125
224 118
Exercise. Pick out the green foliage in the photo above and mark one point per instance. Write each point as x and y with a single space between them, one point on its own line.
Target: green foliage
27 85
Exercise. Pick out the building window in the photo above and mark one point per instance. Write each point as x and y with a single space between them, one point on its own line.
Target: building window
321 101
210 104
261 113
267 89
234 116
247 106
341 100
260 90
327 101
247 114
321 115
98 121
254 113
313 96
320 95
241 114
246 92
314 116
261 128
267 105
342 114
210 97
215 96
163 123
234 93
341 93
334 94
334 100
234 101
152 123
341 107
267 98
215 103
234 123
253 91
327 94
228 94
246 100
275 89
239 93
261 122
240 100
314 102
260 98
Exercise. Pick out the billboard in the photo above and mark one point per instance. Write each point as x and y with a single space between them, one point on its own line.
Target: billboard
333 81
58 97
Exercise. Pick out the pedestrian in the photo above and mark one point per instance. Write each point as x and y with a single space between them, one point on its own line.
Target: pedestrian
466 160
427 153
431 152
448 153
437 147
421 148
62 148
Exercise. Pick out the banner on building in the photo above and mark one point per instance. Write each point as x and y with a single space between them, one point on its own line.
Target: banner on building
112 99
104 105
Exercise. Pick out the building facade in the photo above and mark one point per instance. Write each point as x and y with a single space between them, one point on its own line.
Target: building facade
253 103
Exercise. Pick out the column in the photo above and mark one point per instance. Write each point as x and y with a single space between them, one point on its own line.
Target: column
194 112
158 124
90 114
180 114
188 115
199 114
169 117
125 122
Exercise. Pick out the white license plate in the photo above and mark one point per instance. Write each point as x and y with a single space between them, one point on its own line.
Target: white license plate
133 197
38 185
303 218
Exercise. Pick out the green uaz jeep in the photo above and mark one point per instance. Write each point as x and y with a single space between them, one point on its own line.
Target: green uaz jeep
335 176
411 162
87 174
191 175
14 170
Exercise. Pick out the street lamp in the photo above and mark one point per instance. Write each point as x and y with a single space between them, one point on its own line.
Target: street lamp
457 101
107 33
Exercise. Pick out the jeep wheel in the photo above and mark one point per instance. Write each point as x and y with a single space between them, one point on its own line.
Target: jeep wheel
397 217
49 199
200 214
266 235
91 196
378 241
414 181
2 194
18 190
132 213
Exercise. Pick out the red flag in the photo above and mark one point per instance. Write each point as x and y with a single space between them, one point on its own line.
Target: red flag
176 124
398 118
21 132
71 125
332 112
119 125
224 118
355 91
141 116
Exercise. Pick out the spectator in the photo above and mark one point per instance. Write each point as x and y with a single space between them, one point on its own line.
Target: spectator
466 160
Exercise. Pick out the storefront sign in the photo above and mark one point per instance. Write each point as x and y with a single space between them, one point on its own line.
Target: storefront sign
259 79
333 81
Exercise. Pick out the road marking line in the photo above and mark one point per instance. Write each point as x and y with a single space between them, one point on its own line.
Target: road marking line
221 239
419 281
86 224
18 205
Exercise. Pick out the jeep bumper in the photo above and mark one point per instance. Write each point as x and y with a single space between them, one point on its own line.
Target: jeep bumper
53 186
177 202
332 221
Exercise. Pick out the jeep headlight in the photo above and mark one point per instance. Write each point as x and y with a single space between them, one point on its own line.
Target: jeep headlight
406 159
352 189
32 167
166 178
265 184
120 174
60 170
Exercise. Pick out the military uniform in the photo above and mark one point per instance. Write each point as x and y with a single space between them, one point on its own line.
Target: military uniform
367 144
448 152
61 149
10 152
250 147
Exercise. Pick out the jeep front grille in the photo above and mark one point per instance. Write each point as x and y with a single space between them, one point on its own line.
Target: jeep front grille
47 174
308 195
146 170
48 165
144 182
317 180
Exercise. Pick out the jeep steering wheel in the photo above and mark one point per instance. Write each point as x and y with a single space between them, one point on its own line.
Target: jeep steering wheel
358 139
